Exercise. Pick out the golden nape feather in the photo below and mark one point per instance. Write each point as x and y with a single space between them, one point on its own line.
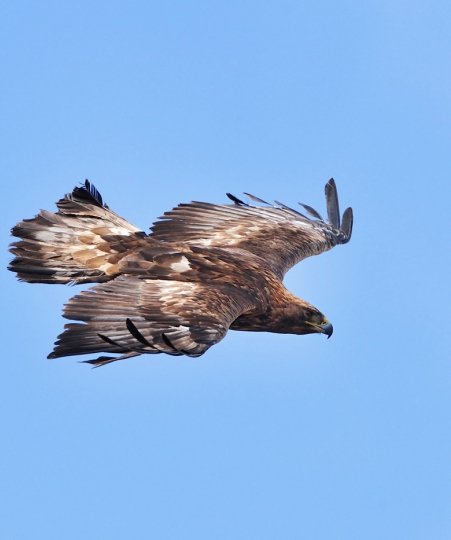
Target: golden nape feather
203 269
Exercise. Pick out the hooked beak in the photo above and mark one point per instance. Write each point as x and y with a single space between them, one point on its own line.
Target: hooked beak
327 329
324 328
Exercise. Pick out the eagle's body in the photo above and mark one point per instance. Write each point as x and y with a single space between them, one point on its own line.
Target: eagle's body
203 269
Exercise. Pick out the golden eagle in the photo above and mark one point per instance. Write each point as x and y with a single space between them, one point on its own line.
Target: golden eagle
202 269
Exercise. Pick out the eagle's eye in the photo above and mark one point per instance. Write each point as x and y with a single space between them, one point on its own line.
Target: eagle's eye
317 318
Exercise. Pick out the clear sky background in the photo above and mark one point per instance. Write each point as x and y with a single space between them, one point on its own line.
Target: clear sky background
266 436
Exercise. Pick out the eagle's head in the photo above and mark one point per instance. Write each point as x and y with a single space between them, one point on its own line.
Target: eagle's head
297 317
300 317
312 321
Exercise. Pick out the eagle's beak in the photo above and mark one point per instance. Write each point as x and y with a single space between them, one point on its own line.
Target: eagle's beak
327 329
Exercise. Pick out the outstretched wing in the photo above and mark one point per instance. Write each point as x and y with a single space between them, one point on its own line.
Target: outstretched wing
131 316
279 234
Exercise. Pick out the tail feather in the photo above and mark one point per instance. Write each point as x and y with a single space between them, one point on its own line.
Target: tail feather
77 244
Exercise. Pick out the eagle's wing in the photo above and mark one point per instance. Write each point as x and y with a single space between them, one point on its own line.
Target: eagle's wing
279 234
131 316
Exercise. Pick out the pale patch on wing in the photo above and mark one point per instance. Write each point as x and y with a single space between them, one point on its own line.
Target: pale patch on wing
121 231
169 290
206 242
182 265
301 224
44 236
183 328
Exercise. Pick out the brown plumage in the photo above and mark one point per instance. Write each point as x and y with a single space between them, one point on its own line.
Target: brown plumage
204 268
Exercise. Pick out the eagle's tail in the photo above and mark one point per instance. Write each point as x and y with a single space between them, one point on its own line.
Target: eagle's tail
82 242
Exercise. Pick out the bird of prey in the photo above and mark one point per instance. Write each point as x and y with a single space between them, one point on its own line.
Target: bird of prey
203 269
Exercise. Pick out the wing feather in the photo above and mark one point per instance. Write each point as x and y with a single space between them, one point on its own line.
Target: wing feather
131 316
279 234
346 224
312 211
333 210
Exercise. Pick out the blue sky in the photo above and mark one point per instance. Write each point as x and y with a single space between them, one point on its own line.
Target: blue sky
266 436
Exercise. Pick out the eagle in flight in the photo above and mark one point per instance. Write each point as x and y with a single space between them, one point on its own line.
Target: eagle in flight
202 269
